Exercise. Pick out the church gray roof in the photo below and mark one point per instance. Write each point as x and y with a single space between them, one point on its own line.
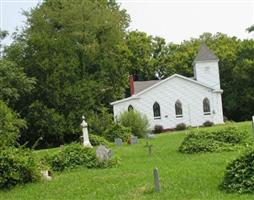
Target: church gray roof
205 54
142 85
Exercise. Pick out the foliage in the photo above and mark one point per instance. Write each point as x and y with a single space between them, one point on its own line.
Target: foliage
208 123
100 121
117 131
134 120
17 166
250 29
74 155
158 128
181 126
76 52
225 139
13 82
10 125
96 140
239 174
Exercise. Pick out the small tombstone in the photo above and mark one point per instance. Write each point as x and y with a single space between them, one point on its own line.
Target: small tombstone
150 135
134 140
156 180
149 146
46 174
103 153
118 141
253 125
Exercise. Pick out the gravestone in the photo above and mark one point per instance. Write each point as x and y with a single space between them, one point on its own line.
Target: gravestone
150 136
118 141
134 140
156 180
103 153
86 141
46 174
253 125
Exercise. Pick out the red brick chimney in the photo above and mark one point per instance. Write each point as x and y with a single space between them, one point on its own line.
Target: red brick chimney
131 84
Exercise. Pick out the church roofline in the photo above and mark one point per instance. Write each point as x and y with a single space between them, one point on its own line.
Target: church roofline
136 96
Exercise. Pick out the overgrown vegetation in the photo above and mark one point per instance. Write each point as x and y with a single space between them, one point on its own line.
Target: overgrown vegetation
134 120
158 129
96 140
117 131
208 123
181 126
225 139
239 174
17 166
74 155
10 125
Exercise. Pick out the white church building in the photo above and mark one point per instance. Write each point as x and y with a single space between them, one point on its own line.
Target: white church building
179 99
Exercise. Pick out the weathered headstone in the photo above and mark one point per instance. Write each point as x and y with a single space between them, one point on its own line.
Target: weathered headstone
150 136
134 140
86 141
118 141
103 153
253 125
149 146
156 180
46 174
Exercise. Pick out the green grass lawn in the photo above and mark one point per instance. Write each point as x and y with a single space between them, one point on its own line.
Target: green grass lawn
183 177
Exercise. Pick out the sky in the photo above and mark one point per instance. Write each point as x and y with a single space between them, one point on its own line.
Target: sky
174 20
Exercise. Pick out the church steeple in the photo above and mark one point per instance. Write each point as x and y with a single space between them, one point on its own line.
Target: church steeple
206 67
205 54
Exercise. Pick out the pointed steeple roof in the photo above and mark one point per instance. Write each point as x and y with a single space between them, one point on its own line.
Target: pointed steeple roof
205 54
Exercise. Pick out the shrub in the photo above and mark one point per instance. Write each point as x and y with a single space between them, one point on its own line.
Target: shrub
17 166
71 156
239 174
134 120
10 125
181 126
74 155
208 123
225 139
158 129
117 131
97 140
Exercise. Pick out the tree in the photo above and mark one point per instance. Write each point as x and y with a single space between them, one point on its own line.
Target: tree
250 29
75 49
10 126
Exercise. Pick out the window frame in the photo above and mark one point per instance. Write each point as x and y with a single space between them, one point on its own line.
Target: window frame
206 104
154 111
180 108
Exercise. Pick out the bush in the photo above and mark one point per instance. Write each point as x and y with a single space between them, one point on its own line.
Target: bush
208 123
158 129
225 139
71 156
117 131
10 125
239 174
181 126
17 166
96 140
134 120
74 155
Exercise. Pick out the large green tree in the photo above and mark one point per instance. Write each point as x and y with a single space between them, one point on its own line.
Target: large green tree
75 49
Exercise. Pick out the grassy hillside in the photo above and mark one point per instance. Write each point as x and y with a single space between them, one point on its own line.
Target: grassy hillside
183 177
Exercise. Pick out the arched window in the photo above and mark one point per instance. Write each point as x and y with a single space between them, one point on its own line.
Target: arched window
206 106
178 109
156 111
130 108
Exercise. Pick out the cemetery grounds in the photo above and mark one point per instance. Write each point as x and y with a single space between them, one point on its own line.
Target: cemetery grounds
182 176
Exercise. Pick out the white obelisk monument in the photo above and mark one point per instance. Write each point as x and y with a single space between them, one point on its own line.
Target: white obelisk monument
86 141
